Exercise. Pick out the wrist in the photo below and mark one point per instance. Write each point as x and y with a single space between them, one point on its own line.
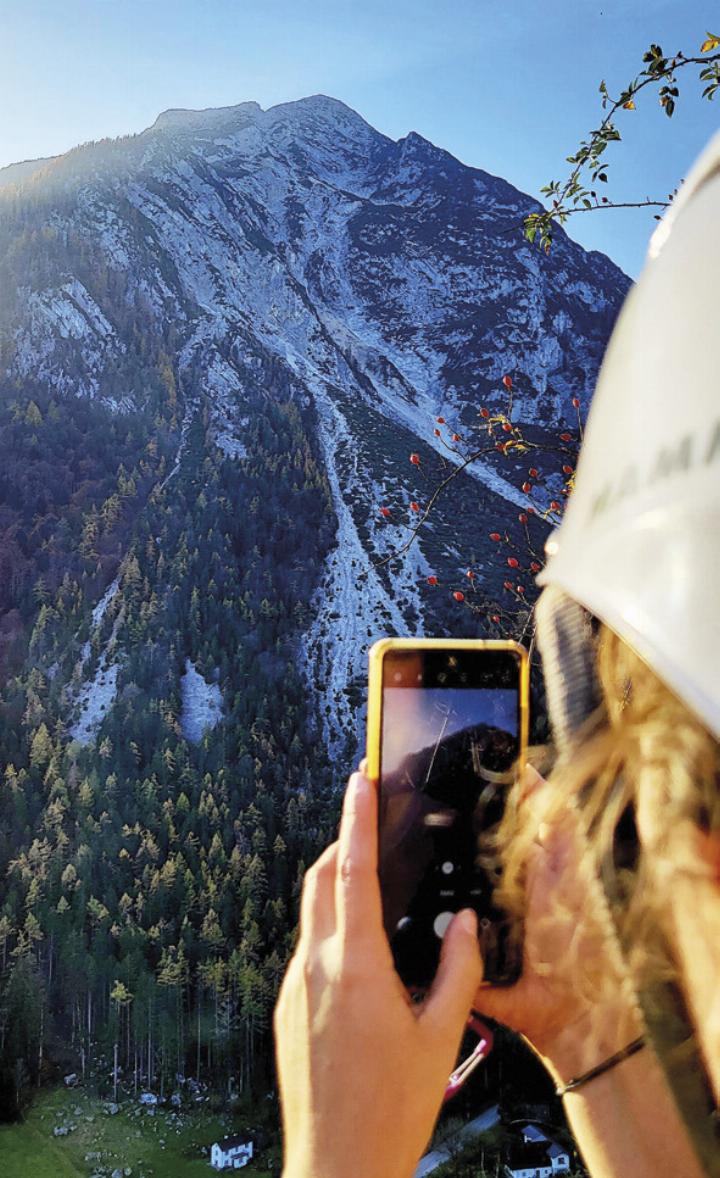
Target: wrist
602 1068
580 1047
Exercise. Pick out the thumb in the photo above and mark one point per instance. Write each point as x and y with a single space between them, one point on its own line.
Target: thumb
458 977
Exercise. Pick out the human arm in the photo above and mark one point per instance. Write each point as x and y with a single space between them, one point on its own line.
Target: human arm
575 1007
362 1070
626 1122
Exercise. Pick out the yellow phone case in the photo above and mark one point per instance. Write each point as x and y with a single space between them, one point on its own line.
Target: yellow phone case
375 683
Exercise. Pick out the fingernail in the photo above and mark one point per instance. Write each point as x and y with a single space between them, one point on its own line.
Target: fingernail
467 919
358 782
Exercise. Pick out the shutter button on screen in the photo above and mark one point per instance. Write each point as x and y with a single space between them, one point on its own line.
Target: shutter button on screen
441 922
447 868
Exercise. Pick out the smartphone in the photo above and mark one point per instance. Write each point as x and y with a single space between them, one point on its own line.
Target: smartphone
447 735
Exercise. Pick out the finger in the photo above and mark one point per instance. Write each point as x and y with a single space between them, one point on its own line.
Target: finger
558 851
555 829
362 768
459 974
534 796
317 906
357 889
531 782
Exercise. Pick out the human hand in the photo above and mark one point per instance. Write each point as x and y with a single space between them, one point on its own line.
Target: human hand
362 1069
573 1002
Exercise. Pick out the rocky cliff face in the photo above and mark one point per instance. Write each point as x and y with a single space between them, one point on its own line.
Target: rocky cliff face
244 257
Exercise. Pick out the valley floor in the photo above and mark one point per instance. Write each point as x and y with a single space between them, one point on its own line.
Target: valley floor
165 1145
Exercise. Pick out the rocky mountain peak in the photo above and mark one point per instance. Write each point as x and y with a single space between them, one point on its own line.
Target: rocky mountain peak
185 119
415 144
384 285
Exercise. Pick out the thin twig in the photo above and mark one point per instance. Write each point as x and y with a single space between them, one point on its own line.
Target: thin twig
430 504
622 204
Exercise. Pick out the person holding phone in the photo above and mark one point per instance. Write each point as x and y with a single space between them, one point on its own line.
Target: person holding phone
613 864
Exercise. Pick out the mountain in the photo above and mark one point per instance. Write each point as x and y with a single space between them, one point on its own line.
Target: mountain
387 282
221 340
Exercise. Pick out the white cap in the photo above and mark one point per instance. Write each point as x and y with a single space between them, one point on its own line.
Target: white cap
639 545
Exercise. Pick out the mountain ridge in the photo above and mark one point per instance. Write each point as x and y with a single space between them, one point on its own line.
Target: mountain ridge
362 265
187 117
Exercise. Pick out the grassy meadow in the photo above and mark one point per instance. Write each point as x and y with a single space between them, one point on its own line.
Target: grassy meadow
164 1145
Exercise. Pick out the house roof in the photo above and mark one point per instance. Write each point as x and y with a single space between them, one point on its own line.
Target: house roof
234 1140
533 1133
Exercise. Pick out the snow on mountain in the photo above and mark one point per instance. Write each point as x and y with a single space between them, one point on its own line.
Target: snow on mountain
94 700
96 694
389 284
101 609
201 704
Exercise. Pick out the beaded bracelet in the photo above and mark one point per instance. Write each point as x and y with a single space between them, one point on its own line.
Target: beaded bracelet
605 1066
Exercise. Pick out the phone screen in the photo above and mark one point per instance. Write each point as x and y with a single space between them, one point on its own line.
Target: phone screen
450 741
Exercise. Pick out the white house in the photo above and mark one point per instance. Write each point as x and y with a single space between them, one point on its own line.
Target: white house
537 1159
232 1153
559 1157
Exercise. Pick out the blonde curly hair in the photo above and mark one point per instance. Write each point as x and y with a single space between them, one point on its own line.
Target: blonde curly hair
644 781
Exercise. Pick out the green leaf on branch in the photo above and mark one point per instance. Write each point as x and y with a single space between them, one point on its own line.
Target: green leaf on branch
587 163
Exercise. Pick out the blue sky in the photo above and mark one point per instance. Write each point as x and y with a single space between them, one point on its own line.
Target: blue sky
412 719
506 85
